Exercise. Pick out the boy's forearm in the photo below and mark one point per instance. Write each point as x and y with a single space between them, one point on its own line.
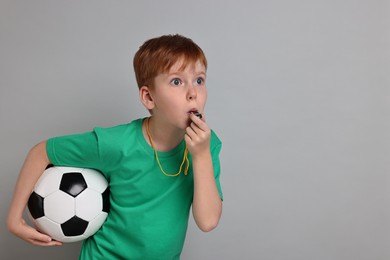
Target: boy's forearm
207 204
34 165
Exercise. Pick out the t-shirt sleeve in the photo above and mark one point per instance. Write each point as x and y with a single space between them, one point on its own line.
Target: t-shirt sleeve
216 146
78 150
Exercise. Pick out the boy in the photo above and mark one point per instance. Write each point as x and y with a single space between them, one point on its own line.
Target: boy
157 167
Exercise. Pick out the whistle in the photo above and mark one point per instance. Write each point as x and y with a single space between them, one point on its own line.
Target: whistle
199 115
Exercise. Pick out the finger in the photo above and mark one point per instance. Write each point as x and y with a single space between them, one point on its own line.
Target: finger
199 126
37 237
42 237
190 132
199 122
43 243
195 128
44 240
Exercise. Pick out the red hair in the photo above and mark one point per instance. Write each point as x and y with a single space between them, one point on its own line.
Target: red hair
158 55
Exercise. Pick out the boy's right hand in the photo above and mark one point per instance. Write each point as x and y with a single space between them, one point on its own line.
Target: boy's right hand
30 234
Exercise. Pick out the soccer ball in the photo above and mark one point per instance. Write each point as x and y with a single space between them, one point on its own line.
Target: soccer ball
69 204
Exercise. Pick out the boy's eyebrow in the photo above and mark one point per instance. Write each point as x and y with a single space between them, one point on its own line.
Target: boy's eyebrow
203 73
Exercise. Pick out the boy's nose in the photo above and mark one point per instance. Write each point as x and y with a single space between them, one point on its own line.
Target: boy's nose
191 93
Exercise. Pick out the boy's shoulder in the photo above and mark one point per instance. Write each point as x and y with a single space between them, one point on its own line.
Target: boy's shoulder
118 133
120 129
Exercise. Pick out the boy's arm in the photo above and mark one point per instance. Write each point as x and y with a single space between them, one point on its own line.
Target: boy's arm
207 204
33 167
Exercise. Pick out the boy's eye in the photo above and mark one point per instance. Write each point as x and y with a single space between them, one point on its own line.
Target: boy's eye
176 82
199 81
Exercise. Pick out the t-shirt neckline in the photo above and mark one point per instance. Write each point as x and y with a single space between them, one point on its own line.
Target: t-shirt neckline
178 149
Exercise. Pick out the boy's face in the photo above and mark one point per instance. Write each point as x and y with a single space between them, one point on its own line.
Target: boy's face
179 92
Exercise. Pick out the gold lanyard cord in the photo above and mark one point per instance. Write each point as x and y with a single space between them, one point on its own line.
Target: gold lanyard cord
185 156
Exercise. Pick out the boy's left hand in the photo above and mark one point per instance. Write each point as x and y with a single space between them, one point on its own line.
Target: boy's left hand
197 136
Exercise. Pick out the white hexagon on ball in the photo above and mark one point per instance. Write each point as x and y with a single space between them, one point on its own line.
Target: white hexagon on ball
61 213
88 204
49 182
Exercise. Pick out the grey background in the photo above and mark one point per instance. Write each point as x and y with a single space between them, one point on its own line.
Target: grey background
298 92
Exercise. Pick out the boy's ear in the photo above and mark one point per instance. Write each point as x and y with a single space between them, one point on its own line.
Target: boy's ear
146 97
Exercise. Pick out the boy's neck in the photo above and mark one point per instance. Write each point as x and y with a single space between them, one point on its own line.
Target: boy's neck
164 138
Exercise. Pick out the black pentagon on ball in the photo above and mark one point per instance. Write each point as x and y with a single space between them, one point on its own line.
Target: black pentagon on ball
73 183
74 227
49 166
35 205
106 200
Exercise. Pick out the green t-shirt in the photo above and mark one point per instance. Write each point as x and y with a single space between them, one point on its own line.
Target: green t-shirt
149 211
